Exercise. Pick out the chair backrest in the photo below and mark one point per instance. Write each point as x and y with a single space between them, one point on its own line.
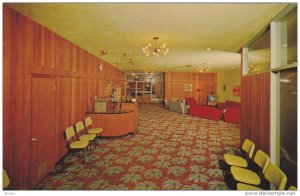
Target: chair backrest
174 98
6 180
262 160
248 147
79 127
292 188
190 101
69 133
276 176
88 121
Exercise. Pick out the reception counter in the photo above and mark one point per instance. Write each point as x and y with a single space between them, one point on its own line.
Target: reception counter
116 123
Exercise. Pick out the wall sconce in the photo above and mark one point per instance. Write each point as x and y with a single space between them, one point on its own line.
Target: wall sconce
103 52
100 67
236 90
200 89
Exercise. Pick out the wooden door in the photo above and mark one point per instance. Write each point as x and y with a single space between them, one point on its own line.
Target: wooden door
42 127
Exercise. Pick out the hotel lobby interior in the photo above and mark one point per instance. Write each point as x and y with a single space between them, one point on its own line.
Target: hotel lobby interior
150 96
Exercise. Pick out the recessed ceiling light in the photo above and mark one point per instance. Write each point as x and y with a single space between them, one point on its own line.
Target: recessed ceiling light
284 45
103 52
208 49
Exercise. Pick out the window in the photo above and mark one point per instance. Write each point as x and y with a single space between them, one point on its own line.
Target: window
288 40
259 54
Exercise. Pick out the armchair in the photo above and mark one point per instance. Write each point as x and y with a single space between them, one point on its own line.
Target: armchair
233 111
178 106
233 115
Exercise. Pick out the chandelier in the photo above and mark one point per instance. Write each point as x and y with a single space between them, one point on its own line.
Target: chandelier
204 68
149 71
253 68
155 50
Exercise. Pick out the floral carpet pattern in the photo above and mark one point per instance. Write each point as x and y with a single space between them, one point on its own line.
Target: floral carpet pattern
168 151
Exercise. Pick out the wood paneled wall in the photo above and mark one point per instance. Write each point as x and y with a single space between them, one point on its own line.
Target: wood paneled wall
206 82
255 110
30 49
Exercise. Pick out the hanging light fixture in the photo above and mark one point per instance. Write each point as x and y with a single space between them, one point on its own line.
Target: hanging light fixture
204 68
155 50
252 68
149 71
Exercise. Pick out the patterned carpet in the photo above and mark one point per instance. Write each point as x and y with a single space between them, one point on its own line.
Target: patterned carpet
169 151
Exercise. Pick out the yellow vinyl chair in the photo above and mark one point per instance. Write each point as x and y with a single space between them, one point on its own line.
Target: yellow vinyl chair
247 187
292 188
261 160
75 145
273 175
88 125
84 136
5 178
234 160
276 177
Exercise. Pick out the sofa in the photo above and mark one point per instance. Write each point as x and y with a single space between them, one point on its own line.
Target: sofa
232 111
207 112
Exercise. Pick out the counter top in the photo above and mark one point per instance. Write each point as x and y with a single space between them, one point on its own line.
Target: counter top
115 101
110 112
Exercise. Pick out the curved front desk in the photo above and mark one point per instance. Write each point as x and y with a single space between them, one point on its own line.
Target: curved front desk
116 123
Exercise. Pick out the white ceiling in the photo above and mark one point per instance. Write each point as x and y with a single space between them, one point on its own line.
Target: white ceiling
186 28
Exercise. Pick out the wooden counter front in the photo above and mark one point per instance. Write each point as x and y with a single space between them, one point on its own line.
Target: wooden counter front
116 124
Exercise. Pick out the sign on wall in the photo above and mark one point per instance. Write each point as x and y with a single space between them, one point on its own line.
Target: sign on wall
236 90
187 87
